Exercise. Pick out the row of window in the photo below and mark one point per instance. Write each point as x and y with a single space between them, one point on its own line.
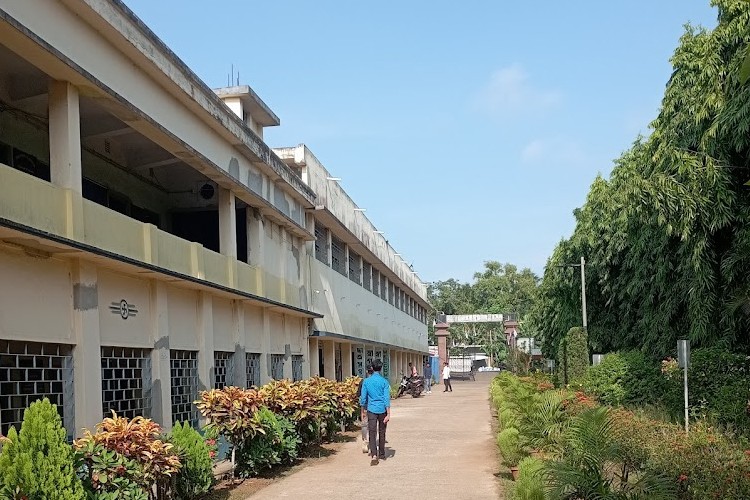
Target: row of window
30 371
358 270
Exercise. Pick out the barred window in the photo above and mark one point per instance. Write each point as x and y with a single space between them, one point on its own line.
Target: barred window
321 243
391 293
277 366
376 282
338 255
252 369
366 275
355 267
126 382
383 287
184 373
296 367
223 369
30 371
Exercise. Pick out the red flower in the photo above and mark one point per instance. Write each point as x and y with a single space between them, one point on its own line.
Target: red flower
683 478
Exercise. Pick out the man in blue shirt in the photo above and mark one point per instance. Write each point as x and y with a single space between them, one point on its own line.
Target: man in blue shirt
376 397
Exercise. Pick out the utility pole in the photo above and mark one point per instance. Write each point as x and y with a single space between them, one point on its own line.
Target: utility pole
583 292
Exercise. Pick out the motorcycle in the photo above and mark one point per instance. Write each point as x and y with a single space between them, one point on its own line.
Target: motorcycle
411 385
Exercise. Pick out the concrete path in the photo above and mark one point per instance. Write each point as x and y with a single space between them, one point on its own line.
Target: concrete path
440 446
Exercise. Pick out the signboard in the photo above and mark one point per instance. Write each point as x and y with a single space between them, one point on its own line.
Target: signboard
683 353
473 318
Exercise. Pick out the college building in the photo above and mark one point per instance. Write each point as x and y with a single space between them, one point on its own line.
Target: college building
152 245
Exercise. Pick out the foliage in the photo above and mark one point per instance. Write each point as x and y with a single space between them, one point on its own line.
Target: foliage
509 443
605 380
592 465
37 462
543 420
573 356
666 235
196 475
530 484
107 475
138 439
232 412
277 444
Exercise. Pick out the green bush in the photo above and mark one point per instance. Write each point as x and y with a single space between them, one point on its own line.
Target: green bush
196 475
530 484
277 444
108 475
573 355
507 418
38 463
642 381
509 443
605 380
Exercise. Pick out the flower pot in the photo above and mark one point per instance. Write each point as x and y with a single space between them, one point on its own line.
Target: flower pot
514 473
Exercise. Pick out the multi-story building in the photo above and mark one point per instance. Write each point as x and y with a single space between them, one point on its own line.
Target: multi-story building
152 245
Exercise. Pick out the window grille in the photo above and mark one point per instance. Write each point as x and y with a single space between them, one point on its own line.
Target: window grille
402 303
391 293
277 366
338 257
383 287
386 364
376 282
355 267
30 371
223 369
126 382
360 360
366 275
184 372
296 367
321 243
252 369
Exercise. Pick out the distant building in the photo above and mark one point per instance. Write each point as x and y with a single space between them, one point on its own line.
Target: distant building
153 245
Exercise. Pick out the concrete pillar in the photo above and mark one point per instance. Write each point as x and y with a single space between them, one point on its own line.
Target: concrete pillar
205 342
255 246
161 385
329 359
239 360
346 360
227 223
314 361
288 372
441 333
329 248
87 380
265 343
65 136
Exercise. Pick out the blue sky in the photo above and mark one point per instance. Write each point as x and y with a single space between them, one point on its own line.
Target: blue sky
469 131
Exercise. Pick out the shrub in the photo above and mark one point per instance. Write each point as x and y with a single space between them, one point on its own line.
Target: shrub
509 443
137 439
276 444
642 381
605 380
507 418
573 355
107 475
530 484
37 462
196 475
543 420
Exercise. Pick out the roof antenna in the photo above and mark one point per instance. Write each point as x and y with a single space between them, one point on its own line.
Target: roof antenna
232 72
238 78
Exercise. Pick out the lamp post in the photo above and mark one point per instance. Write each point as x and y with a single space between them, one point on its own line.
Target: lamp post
582 265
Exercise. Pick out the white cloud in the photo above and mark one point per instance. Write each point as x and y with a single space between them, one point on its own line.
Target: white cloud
555 150
509 93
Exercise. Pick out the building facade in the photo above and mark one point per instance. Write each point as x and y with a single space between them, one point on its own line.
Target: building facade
151 243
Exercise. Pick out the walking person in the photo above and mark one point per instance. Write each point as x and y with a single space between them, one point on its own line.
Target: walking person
363 413
427 372
447 377
376 397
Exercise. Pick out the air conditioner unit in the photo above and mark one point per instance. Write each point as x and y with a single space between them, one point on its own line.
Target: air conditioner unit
207 191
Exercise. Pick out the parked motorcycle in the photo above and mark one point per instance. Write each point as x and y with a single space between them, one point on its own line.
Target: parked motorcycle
411 385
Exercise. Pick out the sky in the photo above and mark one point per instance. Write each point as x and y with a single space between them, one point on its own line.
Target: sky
469 131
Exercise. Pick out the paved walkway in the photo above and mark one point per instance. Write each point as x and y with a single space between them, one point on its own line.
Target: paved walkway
440 446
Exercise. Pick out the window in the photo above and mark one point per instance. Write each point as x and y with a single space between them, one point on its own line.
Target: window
338 257
184 373
376 282
383 287
355 267
126 382
223 369
321 243
30 371
252 369
296 367
391 293
366 275
277 366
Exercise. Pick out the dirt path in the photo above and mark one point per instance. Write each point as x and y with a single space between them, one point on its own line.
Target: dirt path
440 446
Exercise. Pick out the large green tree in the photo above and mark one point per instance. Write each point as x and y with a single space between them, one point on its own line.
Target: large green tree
667 236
